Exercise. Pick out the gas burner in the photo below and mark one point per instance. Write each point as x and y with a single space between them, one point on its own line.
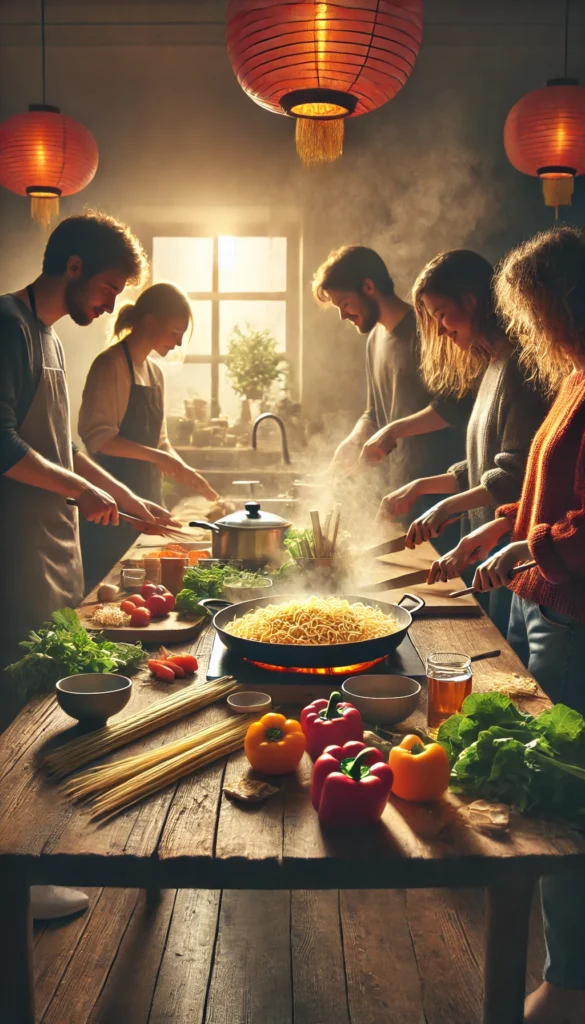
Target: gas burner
349 670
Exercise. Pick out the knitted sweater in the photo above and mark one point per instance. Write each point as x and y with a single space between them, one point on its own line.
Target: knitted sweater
551 512
507 412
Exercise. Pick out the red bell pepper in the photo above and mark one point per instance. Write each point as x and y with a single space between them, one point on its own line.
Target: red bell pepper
350 785
330 722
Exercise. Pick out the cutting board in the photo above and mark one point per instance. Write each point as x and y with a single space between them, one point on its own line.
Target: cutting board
436 598
170 630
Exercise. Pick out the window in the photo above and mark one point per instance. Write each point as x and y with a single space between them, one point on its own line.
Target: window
231 281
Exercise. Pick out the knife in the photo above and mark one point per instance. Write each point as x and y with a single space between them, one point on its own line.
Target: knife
388 547
513 572
154 529
409 579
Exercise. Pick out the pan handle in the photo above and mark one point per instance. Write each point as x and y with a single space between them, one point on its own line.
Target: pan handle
214 604
204 525
418 603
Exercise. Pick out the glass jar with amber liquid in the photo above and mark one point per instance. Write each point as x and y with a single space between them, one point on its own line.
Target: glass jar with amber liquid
449 679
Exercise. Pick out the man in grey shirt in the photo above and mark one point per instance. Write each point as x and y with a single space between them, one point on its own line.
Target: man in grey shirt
356 281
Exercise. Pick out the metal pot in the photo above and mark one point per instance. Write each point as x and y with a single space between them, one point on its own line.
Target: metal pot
250 535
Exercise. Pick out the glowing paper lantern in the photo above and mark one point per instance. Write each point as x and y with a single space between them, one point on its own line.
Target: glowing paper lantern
44 154
544 136
323 62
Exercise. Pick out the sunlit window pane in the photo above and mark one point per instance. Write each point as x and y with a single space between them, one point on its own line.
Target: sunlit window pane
261 315
230 404
252 264
183 382
187 262
199 342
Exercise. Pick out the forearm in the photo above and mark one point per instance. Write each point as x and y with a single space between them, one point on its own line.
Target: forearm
122 448
445 483
464 501
425 421
90 470
36 471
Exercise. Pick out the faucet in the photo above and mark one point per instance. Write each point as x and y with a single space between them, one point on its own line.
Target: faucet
271 416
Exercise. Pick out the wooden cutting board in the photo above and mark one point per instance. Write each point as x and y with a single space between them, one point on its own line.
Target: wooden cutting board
437 601
170 630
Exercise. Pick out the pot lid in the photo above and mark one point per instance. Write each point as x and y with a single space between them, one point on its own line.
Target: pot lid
251 517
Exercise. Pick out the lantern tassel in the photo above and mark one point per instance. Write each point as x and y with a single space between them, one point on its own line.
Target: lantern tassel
44 209
558 191
319 141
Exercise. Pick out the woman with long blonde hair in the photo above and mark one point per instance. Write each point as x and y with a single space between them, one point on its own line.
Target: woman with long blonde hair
541 294
464 348
122 418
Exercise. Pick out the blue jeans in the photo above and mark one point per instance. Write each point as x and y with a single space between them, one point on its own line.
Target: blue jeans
552 647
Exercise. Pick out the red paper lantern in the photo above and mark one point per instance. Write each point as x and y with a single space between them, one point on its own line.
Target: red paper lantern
323 62
544 136
44 154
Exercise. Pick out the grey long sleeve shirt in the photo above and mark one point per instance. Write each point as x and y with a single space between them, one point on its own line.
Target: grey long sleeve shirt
507 412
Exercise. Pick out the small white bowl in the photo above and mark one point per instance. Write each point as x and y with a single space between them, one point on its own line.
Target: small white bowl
248 702
237 594
382 699
93 697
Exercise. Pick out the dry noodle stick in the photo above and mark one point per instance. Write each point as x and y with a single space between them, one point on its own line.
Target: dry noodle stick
79 751
160 776
109 776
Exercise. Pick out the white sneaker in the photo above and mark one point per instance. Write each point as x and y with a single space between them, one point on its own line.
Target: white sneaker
49 902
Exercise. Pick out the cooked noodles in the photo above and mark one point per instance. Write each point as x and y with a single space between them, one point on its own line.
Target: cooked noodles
314 621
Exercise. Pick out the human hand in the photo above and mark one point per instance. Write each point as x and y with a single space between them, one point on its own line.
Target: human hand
97 506
379 445
494 572
429 525
475 547
173 466
399 502
161 515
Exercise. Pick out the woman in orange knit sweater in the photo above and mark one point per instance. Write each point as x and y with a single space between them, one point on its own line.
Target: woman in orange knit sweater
541 293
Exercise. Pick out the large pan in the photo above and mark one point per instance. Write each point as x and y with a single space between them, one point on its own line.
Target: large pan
304 655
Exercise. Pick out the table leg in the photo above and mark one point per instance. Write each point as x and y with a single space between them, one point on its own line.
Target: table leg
16 950
508 915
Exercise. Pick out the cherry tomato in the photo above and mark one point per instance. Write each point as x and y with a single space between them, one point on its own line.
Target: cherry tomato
137 600
127 606
157 606
187 661
161 590
147 590
179 672
161 671
140 617
169 600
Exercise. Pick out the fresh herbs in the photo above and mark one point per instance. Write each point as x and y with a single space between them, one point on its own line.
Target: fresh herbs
62 647
499 753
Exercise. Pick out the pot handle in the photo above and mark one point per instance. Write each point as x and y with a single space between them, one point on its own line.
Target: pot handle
418 603
214 604
204 525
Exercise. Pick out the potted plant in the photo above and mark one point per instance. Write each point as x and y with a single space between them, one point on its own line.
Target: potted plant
253 365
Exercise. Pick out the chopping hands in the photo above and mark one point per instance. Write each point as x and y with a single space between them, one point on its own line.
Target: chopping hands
379 445
476 547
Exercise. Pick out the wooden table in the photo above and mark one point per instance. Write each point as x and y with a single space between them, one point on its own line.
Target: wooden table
191 836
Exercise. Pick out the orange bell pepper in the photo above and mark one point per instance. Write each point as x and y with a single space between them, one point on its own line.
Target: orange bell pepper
275 744
421 773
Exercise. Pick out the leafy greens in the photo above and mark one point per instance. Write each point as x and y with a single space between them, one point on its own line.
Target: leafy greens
499 753
62 647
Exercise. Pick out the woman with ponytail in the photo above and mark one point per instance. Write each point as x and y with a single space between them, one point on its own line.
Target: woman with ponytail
122 420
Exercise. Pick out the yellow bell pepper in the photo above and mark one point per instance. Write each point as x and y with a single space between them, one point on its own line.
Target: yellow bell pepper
421 772
275 744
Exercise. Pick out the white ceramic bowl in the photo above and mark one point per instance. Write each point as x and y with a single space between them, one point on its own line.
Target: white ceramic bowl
382 699
93 697
248 702
237 594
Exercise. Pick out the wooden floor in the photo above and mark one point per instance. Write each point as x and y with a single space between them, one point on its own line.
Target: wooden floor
199 957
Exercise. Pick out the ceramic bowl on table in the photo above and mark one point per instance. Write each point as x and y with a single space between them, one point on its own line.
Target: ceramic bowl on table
249 702
382 699
93 697
235 593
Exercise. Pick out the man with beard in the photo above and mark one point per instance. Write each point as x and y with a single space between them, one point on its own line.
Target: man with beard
88 261
356 281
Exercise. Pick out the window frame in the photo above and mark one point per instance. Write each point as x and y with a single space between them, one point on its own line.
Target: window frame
291 296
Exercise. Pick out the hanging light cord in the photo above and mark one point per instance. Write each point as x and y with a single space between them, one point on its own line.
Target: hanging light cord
43 48
566 37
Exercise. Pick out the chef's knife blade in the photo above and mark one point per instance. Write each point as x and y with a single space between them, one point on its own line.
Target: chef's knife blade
409 579
388 547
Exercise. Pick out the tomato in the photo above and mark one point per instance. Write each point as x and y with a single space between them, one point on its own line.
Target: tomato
161 671
179 672
140 617
188 662
161 590
157 606
147 590
137 600
169 600
127 606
